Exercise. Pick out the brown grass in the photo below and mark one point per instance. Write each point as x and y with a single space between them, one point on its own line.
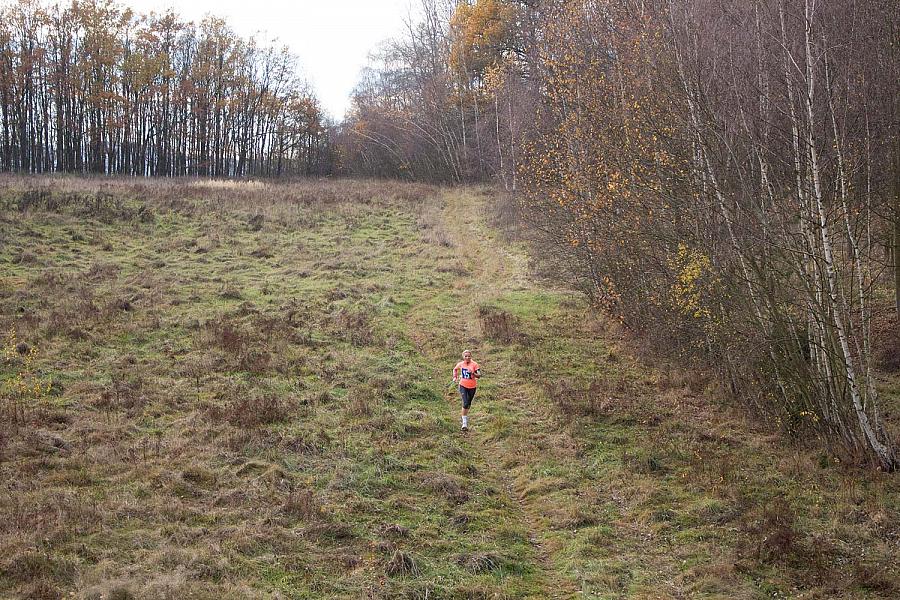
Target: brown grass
401 564
355 326
63 192
431 224
576 400
445 485
479 562
303 504
499 325
246 407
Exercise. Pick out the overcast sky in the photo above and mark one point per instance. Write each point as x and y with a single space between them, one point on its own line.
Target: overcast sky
331 37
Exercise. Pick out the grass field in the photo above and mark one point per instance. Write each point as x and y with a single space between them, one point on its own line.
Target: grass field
240 390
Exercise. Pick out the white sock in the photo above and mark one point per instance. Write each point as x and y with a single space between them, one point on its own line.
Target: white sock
465 421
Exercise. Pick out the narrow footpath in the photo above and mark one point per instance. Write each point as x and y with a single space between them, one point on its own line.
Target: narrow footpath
487 272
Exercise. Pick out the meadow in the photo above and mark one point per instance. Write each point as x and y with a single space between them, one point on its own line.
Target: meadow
242 390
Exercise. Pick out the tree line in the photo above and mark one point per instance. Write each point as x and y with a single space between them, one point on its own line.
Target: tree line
92 87
722 176
445 101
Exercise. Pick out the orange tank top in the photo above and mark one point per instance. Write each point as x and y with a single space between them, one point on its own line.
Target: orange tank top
467 374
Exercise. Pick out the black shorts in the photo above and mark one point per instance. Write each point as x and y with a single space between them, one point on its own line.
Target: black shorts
466 394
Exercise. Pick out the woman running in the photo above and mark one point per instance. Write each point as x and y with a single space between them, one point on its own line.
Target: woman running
466 373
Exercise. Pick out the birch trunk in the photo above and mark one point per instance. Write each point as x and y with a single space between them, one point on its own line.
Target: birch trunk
884 454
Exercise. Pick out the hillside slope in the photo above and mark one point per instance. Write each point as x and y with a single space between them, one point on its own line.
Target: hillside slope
246 394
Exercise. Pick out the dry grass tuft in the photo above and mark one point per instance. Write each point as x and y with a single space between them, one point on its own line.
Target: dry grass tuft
253 408
394 530
355 326
43 590
401 564
479 562
121 592
227 336
876 578
574 400
255 222
361 401
774 530
31 566
445 485
303 505
330 531
230 291
645 462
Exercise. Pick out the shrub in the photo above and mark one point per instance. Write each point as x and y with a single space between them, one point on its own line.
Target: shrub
26 389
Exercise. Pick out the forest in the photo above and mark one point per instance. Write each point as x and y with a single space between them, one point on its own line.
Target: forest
92 87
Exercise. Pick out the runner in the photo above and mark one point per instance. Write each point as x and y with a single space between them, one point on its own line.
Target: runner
466 373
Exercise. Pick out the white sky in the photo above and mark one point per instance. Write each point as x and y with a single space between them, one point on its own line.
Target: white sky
332 38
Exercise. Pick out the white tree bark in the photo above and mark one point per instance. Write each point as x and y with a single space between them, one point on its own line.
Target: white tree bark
882 451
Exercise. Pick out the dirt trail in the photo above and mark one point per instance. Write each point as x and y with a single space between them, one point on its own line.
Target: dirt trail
493 271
